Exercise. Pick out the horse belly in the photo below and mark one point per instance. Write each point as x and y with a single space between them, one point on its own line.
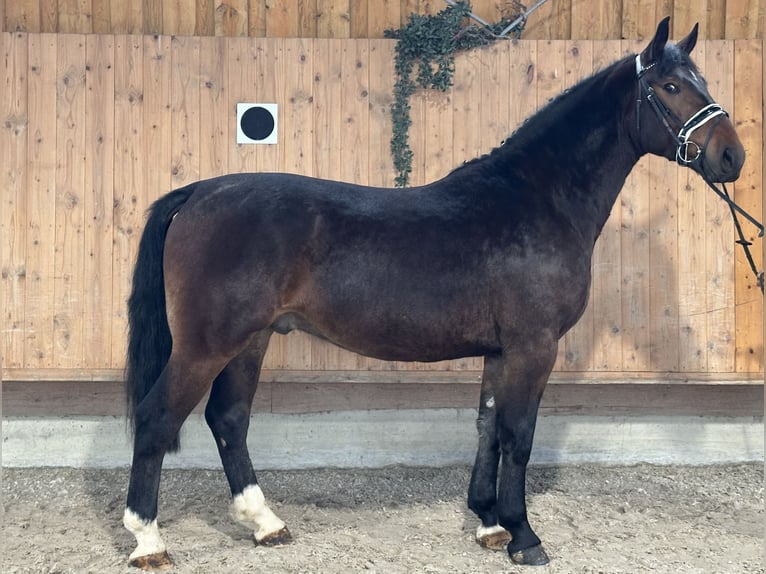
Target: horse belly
396 320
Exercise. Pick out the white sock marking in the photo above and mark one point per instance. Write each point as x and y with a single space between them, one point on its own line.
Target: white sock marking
250 509
146 532
482 531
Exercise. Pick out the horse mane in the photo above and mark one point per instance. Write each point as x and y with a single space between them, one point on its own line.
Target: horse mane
549 116
532 127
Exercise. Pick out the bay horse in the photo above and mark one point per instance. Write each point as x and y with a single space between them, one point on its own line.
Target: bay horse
493 260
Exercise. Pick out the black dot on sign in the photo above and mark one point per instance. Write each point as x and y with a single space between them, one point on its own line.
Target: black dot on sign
257 123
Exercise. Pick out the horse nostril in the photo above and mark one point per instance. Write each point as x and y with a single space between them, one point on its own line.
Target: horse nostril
728 159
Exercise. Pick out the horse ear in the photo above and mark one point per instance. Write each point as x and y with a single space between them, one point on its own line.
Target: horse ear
655 47
688 43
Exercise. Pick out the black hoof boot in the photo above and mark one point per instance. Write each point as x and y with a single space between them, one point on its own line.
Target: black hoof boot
532 556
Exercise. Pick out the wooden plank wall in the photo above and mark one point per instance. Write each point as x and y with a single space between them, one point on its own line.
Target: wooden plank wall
94 127
555 20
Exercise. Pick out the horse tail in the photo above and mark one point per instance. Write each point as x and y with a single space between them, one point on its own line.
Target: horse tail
149 340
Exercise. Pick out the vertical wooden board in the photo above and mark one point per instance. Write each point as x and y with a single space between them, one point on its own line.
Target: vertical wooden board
640 18
157 118
358 14
75 16
595 21
69 284
744 19
381 99
354 104
282 19
22 16
663 270
552 21
466 107
333 19
144 17
635 263
207 13
523 82
151 16
606 293
41 190
185 102
495 112
716 19
748 120
15 208
298 109
216 116
243 54
98 198
129 173
231 18
49 16
381 16
257 14
692 276
719 243
578 342
551 70
101 21
179 17
307 19
686 14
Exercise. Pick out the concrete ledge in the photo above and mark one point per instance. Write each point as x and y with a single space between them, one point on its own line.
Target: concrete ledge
432 437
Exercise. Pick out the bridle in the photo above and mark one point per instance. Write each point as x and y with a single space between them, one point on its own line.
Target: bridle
685 147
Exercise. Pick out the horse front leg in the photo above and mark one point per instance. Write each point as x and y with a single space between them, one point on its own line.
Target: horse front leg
526 369
228 416
482 490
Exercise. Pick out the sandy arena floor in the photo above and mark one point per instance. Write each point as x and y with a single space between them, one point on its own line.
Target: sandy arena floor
592 519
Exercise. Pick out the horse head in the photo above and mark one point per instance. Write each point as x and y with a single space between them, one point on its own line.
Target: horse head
685 124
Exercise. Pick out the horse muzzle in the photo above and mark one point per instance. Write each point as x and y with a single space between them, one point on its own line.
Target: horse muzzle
723 163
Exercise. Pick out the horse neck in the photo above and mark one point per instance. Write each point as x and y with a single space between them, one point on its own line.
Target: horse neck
586 150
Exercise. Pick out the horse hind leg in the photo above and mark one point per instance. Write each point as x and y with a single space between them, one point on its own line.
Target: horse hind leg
482 490
228 416
158 419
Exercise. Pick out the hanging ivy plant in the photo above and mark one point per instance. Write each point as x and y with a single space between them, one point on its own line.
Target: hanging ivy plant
429 43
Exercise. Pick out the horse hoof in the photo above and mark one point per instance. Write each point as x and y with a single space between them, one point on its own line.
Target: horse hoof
493 538
533 556
278 538
158 561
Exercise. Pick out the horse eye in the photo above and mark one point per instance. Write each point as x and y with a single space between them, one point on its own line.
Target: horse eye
671 88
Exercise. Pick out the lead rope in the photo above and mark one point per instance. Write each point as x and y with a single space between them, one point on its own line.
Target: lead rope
734 208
